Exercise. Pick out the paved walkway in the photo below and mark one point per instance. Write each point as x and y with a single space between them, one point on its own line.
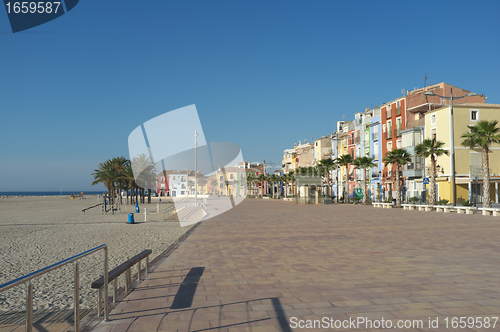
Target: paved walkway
264 262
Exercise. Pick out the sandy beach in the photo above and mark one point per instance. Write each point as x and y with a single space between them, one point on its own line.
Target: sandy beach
39 231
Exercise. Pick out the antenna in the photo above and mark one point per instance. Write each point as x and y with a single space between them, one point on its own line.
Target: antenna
403 92
312 138
343 116
425 79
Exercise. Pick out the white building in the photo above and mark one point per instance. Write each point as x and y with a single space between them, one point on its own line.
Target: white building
178 184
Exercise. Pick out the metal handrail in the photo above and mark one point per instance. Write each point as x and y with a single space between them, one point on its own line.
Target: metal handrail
27 279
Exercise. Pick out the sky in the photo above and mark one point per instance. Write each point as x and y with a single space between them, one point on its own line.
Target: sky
262 74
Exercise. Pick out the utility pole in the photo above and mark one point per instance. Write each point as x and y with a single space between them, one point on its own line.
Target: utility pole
195 168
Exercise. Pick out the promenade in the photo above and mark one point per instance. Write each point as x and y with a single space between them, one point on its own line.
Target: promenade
264 262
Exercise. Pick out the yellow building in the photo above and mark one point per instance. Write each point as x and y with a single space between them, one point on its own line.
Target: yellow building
468 163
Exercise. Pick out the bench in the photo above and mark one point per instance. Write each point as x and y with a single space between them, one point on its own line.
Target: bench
465 209
386 205
442 208
424 207
116 272
490 211
408 206
377 204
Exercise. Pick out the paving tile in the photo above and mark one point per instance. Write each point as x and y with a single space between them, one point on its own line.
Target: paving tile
266 261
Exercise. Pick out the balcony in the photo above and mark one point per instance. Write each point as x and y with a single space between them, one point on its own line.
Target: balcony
388 135
388 113
397 132
375 137
417 123
413 173
398 110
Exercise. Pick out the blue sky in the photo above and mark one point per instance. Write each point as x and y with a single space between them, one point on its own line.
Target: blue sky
263 74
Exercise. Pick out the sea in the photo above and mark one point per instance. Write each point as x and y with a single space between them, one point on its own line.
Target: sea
47 193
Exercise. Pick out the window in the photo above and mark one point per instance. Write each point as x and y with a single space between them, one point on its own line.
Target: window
398 107
389 146
316 143
389 128
398 144
398 124
388 108
418 138
174 177
231 176
434 133
183 179
433 118
474 115
375 150
221 178
407 140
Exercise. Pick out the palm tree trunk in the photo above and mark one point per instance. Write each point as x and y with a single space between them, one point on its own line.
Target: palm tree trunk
398 188
486 179
345 186
365 196
432 198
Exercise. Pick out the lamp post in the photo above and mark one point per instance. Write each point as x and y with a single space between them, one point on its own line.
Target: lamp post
452 137
195 168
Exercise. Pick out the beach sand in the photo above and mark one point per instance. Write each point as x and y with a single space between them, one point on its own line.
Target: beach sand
39 231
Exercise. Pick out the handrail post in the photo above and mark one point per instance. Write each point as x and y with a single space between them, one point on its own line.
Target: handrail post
106 281
115 290
77 297
147 264
29 307
139 270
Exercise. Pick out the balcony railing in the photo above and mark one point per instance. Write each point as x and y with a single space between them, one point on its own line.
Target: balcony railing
375 137
397 132
398 110
389 113
388 134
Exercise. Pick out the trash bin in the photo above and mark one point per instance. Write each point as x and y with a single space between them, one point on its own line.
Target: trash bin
131 218
393 202
136 209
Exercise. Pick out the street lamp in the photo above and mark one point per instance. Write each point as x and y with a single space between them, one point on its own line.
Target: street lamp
452 136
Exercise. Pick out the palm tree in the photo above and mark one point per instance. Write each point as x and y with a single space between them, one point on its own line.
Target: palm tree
127 174
482 136
119 163
364 163
262 179
275 179
145 173
201 183
291 178
214 186
325 166
431 148
398 157
344 160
